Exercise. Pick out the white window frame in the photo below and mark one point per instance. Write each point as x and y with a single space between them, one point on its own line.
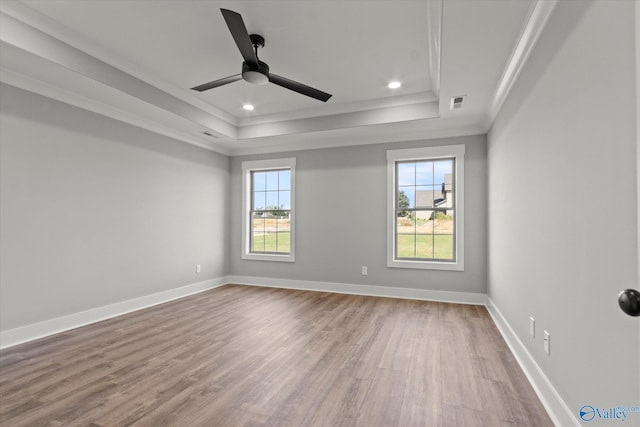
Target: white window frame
261 165
426 153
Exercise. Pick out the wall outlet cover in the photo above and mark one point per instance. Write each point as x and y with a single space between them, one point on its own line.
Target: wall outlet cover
547 342
532 327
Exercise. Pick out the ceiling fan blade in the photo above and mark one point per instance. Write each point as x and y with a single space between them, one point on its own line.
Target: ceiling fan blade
299 87
240 36
216 83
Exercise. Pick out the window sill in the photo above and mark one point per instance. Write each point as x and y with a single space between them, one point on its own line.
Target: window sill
426 265
269 257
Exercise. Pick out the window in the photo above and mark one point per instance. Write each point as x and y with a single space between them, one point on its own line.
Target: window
425 208
268 206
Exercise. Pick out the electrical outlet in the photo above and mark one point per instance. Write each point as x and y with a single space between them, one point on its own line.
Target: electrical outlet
364 270
547 342
532 327
198 268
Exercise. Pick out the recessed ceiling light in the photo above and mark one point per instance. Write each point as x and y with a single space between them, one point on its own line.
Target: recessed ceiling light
394 85
248 107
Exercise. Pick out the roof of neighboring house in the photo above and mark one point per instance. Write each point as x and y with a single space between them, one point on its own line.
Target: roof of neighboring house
426 198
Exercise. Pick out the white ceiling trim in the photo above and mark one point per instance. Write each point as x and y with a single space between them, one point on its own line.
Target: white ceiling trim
538 16
415 130
403 113
371 105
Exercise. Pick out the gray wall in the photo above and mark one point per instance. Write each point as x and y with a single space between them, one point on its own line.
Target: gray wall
562 203
94 211
341 220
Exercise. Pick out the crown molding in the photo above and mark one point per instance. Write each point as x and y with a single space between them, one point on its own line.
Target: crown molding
413 130
539 14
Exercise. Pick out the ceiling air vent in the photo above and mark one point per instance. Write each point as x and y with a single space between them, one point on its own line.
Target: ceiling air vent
211 135
456 102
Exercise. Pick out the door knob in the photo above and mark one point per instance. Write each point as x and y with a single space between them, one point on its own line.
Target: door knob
629 301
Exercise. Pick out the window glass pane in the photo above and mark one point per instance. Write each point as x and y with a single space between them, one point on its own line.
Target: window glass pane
259 200
425 196
424 225
257 242
284 242
272 180
272 200
262 242
258 222
284 179
406 245
284 224
284 199
271 241
441 169
406 197
443 222
405 224
424 246
443 246
403 198
259 181
257 234
450 199
424 173
405 231
449 190
406 173
284 234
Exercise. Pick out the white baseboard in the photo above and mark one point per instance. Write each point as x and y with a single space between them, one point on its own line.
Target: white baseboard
368 290
34 331
558 410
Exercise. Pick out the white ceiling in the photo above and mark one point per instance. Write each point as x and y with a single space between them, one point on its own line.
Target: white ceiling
135 60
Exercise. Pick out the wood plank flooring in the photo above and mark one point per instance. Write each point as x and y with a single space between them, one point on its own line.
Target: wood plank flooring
250 356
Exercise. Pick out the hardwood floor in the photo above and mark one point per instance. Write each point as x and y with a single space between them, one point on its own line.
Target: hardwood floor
250 356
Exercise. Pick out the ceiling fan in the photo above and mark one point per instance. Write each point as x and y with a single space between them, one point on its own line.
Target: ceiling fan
253 70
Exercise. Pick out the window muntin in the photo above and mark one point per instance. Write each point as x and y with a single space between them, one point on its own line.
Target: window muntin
270 227
425 210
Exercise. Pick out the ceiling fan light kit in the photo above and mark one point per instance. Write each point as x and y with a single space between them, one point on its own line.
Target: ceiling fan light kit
253 70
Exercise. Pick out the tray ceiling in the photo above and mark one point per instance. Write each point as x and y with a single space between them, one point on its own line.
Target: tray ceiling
136 60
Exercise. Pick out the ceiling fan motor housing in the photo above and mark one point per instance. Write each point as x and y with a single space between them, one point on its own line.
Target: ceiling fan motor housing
257 75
